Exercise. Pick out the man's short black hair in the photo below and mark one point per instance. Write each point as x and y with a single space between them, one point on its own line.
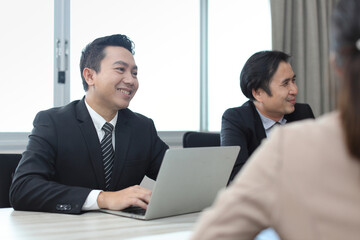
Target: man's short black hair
93 53
258 71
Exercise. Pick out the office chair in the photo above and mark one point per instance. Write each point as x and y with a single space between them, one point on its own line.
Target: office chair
8 164
201 139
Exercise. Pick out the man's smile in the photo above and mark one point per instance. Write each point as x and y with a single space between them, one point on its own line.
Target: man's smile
292 101
127 92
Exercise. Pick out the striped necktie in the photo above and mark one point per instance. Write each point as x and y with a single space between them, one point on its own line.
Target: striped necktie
107 152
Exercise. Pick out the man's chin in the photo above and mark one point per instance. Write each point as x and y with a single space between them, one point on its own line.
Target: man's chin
290 109
122 105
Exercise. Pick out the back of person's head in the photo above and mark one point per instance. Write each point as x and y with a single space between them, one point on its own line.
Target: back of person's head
93 53
258 71
345 43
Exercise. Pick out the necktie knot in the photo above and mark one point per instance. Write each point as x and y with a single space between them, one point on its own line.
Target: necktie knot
108 128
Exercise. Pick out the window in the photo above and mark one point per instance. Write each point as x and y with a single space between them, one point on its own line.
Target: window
166 37
26 47
237 29
167 50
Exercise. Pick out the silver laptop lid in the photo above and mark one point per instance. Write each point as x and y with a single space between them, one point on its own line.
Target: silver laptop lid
189 179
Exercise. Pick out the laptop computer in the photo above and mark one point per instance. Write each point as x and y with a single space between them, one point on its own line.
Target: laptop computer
188 181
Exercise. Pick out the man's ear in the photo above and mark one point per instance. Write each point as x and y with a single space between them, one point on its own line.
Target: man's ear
89 75
258 94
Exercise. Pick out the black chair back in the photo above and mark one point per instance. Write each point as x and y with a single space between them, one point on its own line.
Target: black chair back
201 139
8 164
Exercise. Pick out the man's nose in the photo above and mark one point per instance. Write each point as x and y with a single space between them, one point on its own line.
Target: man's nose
293 89
129 78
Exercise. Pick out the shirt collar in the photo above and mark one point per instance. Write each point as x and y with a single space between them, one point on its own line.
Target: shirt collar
98 120
267 122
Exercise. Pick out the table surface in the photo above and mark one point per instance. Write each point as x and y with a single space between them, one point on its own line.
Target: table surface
90 225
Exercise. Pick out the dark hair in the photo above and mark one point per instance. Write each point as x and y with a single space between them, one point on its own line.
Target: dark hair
258 71
93 53
346 45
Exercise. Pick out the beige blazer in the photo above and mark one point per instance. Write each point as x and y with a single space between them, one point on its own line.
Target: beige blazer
301 182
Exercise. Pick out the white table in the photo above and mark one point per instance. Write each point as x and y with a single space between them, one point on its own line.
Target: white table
15 225
25 225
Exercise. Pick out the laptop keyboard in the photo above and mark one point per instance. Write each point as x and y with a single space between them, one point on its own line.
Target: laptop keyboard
135 210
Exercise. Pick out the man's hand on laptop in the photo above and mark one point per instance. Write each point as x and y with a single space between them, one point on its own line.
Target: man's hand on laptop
135 195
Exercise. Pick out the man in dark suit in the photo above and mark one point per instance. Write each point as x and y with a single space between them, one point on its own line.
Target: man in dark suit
66 167
268 80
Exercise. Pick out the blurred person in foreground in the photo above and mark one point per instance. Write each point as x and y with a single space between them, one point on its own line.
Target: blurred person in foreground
304 180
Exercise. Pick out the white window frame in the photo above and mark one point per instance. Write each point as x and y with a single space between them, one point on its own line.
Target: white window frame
17 141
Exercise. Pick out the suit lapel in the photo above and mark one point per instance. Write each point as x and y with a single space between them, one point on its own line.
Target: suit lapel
122 140
259 127
92 142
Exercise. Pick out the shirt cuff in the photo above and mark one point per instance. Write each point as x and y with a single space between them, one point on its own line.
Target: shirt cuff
91 201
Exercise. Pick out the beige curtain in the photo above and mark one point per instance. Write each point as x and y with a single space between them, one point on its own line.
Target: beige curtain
301 29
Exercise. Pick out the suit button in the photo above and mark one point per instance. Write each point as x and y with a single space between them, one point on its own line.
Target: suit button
63 207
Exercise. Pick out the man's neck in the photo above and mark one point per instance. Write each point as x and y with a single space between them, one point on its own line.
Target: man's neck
104 112
260 108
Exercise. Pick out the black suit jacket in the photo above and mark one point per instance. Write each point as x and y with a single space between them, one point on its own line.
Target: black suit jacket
242 126
63 162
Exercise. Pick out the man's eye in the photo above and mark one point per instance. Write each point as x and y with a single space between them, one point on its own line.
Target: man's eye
134 74
121 69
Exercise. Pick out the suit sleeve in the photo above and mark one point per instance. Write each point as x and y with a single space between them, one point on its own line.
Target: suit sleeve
234 134
34 187
310 113
158 150
250 203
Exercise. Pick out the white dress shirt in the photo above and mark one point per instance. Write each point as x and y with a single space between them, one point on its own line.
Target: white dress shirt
99 121
268 123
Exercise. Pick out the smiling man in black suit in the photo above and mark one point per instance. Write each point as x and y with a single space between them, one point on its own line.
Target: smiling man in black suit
66 167
268 80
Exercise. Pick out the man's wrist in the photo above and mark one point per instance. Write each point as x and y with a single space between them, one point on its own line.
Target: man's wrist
91 202
101 200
